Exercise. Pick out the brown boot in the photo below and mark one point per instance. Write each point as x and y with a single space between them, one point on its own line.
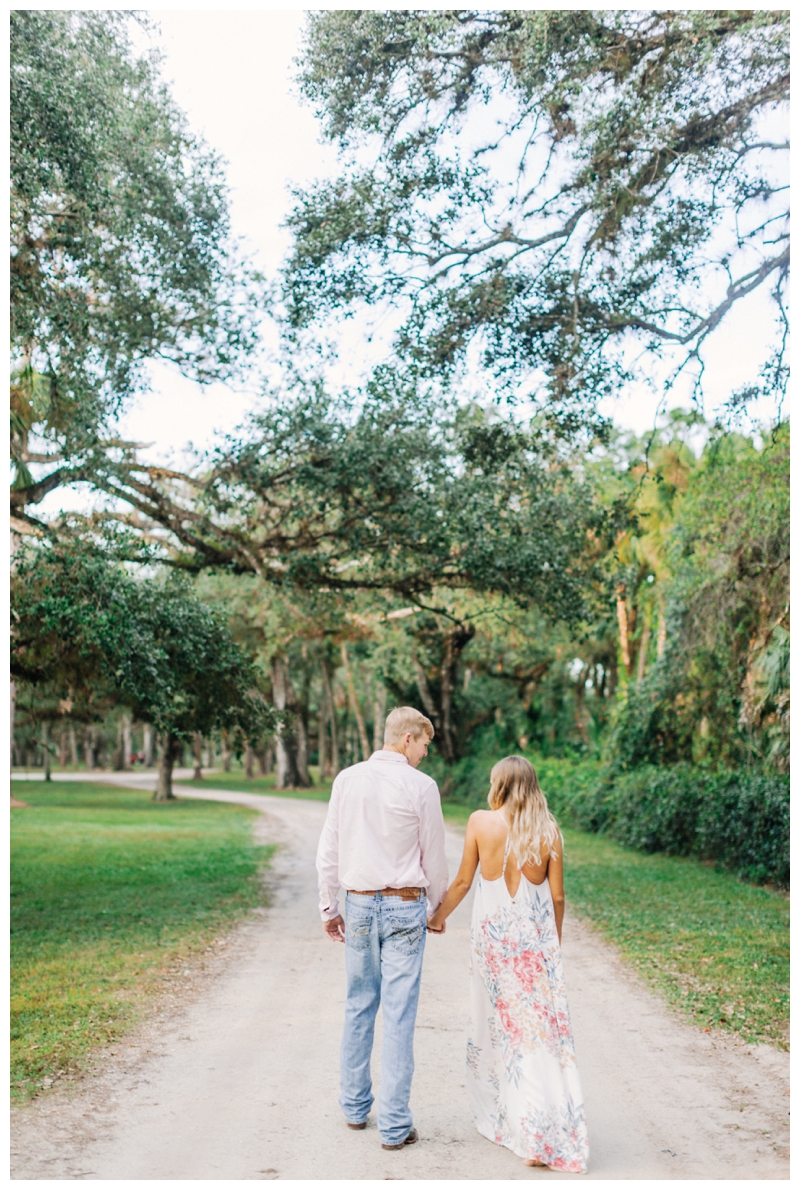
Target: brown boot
411 1139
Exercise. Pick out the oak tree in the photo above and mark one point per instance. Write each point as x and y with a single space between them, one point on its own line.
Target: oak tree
556 194
121 249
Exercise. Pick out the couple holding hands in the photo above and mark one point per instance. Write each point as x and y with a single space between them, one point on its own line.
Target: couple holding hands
383 842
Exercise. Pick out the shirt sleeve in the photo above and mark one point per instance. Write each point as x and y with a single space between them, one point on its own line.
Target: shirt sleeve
431 845
328 858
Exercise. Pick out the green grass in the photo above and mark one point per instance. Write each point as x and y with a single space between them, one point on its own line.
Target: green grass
319 792
109 892
110 889
715 947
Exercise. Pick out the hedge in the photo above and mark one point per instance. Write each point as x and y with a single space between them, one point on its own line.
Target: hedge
740 820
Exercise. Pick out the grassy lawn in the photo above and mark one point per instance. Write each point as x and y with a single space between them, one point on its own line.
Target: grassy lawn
319 792
109 892
715 947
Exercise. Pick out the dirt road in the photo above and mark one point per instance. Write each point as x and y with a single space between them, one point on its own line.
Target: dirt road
235 1075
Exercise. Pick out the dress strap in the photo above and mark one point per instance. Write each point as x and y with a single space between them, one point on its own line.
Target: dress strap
505 853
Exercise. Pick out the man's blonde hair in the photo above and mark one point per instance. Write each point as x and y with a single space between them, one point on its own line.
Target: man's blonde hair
405 719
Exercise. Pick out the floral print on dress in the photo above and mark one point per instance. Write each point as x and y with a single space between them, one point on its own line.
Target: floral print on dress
521 1071
473 1055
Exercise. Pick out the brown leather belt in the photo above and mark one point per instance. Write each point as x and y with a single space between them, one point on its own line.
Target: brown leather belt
406 894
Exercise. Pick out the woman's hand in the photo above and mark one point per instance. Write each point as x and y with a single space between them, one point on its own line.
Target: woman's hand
461 885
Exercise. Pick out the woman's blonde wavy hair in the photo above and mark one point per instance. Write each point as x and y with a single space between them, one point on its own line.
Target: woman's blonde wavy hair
531 826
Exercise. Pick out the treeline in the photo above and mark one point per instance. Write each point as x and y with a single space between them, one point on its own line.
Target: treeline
681 655
462 529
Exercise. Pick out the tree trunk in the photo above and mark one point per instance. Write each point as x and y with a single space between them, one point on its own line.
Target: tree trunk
286 776
301 708
300 734
661 641
643 643
122 757
624 639
197 749
227 753
455 643
147 745
355 708
378 714
168 753
425 692
301 753
127 742
89 748
249 761
73 747
580 706
333 765
265 760
119 751
322 742
46 749
62 750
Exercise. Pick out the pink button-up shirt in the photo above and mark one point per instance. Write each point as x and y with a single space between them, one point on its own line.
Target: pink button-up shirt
384 829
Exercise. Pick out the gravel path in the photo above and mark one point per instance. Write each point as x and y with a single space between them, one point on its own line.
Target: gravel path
235 1073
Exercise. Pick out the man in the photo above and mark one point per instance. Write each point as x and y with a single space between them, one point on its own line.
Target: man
383 841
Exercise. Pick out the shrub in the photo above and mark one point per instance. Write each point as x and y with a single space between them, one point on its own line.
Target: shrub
746 825
741 820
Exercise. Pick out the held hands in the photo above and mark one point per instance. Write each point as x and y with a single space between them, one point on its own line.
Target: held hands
335 928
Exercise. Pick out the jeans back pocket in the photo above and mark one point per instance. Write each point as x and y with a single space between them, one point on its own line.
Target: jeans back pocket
404 933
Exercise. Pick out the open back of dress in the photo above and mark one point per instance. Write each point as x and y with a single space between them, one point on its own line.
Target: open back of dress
522 1078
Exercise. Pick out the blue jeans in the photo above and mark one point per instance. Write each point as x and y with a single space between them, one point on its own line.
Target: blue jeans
384 944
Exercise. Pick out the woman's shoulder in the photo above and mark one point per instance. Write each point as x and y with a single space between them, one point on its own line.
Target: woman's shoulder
486 820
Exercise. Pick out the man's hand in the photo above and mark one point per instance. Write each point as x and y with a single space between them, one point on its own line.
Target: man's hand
434 929
335 928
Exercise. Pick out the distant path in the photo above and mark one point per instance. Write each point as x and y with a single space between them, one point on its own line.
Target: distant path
235 1075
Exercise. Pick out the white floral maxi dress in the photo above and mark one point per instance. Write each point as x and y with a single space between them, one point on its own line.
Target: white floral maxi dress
522 1079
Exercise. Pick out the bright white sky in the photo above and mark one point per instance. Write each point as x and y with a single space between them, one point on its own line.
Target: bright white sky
231 72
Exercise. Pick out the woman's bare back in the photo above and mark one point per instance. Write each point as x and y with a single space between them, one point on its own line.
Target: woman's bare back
491 834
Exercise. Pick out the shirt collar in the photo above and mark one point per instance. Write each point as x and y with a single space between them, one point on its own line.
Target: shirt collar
386 754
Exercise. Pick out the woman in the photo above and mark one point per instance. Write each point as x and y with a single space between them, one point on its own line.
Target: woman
522 1079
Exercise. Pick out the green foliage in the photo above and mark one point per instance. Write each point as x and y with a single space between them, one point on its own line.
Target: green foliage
739 819
382 490
535 188
108 892
120 244
85 630
719 693
568 784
